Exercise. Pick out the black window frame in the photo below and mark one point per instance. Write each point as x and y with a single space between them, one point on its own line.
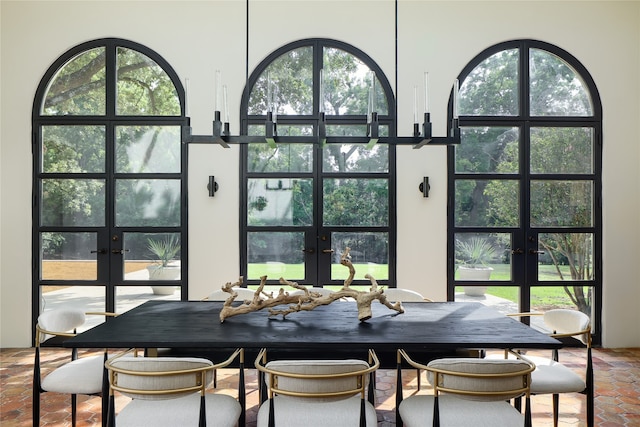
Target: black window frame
524 121
110 120
387 120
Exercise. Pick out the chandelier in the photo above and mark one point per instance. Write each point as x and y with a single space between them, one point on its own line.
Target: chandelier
422 133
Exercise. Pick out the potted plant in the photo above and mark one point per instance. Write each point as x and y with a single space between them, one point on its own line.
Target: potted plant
164 251
472 257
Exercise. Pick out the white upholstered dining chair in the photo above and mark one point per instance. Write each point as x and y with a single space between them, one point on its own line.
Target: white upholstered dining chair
317 393
468 392
169 391
553 377
82 375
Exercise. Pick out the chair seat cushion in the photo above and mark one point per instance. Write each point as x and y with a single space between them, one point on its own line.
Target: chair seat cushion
417 411
222 411
312 413
81 376
554 377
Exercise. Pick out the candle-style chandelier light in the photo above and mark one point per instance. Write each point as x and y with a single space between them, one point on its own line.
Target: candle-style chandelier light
422 134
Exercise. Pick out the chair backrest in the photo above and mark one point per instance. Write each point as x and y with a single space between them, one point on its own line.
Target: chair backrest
155 378
566 322
403 295
220 295
60 321
322 380
481 379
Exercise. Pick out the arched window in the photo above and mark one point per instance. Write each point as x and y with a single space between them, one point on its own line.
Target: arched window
525 182
304 203
109 178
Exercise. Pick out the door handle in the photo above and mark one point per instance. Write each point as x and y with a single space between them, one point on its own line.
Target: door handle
119 251
517 251
100 251
327 251
309 251
533 252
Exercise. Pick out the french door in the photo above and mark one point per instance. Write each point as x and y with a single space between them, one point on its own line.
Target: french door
109 180
299 223
304 202
525 183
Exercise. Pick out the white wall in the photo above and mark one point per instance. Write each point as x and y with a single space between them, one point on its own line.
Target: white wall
440 37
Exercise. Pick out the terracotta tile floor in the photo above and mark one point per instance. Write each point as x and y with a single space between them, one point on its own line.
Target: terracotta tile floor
617 376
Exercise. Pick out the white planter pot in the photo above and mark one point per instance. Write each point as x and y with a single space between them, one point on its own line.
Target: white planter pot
474 274
157 272
163 290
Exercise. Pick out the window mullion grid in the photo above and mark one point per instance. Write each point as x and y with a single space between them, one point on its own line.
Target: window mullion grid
111 71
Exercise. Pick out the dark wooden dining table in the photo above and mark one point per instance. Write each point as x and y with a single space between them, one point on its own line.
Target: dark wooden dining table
423 326
193 328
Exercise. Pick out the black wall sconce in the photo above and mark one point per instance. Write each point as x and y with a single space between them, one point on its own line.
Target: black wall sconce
212 186
424 186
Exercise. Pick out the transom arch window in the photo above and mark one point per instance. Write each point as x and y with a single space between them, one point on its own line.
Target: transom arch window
109 179
525 221
304 203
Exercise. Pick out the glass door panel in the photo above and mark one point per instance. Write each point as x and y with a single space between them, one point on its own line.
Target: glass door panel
69 256
487 203
76 149
148 149
280 202
152 256
72 202
562 150
355 202
565 256
148 202
354 158
261 158
566 203
483 256
276 254
486 149
544 298
369 254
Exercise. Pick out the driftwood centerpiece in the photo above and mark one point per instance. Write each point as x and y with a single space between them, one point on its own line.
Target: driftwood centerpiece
307 300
